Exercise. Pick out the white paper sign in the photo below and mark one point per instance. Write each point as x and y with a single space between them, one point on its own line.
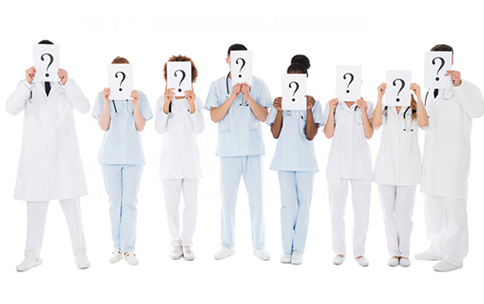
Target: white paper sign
241 67
294 91
436 66
398 88
179 74
120 79
348 83
46 62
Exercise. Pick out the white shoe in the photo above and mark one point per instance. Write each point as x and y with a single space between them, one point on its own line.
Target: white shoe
393 261
176 252
444 266
28 263
188 253
404 262
362 261
223 253
297 258
116 256
131 258
426 256
262 254
286 258
338 260
82 262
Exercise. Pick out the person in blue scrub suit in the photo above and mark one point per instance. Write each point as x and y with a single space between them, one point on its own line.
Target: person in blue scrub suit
239 109
122 159
295 163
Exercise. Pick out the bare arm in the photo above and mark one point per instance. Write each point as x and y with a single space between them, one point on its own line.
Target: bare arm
139 120
422 116
367 126
260 112
311 126
329 125
276 127
104 119
378 114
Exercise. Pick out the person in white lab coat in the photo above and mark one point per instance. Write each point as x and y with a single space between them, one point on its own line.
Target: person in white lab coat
122 159
398 169
239 110
50 165
349 125
445 170
295 163
180 119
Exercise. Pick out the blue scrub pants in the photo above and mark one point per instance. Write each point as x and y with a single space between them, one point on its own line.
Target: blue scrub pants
122 185
231 169
296 194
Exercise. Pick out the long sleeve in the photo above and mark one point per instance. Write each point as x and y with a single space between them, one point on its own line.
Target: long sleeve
197 117
161 119
470 98
17 101
76 97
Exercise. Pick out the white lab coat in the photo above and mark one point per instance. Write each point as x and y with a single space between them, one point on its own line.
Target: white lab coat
50 163
447 148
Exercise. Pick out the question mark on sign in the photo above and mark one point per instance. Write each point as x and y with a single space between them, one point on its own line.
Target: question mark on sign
51 60
242 66
124 77
352 77
182 78
401 87
297 88
442 62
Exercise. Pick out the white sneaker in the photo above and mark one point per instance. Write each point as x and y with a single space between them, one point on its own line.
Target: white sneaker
286 258
131 258
393 261
426 256
262 254
362 261
82 262
223 253
297 258
404 262
28 263
444 266
176 252
116 256
338 260
188 253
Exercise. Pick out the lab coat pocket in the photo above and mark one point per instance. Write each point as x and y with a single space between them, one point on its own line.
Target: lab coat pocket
302 125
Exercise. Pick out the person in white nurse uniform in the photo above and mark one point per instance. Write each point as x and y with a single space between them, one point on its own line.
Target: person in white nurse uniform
180 119
239 110
122 159
398 169
295 163
445 170
50 165
348 123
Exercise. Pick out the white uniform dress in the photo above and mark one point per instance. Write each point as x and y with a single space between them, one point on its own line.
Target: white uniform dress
445 170
180 168
295 163
397 172
50 163
349 161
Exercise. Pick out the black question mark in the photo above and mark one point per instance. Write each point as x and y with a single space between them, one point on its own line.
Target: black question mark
442 62
297 88
124 77
351 80
182 78
51 60
401 87
243 64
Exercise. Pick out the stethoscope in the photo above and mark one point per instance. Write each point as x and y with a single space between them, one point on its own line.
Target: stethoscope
443 96
116 109
406 128
243 102
170 114
288 113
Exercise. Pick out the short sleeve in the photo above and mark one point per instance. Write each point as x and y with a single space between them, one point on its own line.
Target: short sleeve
212 100
318 114
264 98
272 116
144 106
98 105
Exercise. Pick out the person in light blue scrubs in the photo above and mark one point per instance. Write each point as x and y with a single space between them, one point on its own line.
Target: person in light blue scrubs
239 110
295 163
122 159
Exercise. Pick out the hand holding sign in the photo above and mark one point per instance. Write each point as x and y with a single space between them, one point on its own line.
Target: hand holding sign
241 67
293 92
436 66
120 79
179 76
398 88
348 83
46 62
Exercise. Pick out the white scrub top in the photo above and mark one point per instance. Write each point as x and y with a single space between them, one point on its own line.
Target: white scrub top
447 149
180 156
294 152
398 162
349 155
239 132
122 143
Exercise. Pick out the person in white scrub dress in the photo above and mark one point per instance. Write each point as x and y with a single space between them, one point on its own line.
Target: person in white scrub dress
398 169
50 166
180 119
295 163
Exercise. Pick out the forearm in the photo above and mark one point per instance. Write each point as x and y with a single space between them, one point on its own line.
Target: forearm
260 112
277 125
378 114
329 126
217 114
367 126
104 118
139 120
311 127
422 116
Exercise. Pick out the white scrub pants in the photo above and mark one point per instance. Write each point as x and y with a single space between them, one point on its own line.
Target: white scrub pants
447 229
361 192
172 189
231 170
397 204
36 214
122 185
296 193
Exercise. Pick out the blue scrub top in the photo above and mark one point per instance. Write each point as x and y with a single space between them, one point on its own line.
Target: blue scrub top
239 132
294 152
122 143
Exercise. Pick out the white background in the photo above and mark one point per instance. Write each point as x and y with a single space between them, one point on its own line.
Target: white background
379 35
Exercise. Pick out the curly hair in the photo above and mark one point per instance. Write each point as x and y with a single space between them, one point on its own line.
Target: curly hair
182 58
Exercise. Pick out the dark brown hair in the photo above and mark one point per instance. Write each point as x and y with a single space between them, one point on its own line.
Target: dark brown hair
120 60
45 42
442 48
182 58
